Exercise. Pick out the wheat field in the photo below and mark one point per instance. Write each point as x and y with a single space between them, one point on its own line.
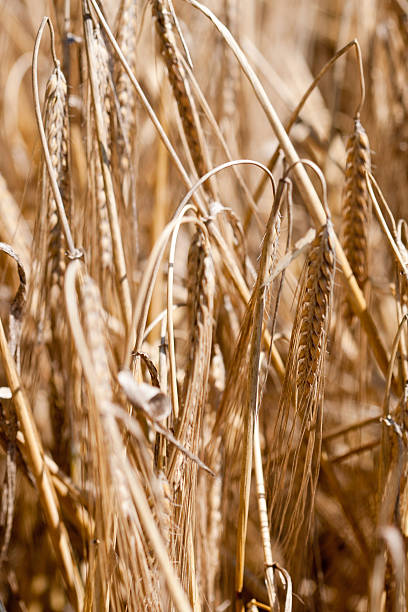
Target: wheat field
204 305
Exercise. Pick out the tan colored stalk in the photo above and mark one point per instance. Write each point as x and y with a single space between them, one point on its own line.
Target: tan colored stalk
170 325
295 113
46 490
101 130
263 519
307 191
252 407
160 210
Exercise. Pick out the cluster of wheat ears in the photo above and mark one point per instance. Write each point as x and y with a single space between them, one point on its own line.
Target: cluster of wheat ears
204 305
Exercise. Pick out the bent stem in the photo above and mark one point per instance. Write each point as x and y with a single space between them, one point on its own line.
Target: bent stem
274 158
252 406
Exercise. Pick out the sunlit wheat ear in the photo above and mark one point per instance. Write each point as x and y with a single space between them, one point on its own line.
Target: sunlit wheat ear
181 88
116 519
125 119
127 39
102 61
295 461
230 74
188 430
356 209
105 253
314 316
56 131
104 230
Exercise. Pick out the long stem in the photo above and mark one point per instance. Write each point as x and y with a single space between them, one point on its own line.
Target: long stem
252 406
45 487
263 519
244 492
292 119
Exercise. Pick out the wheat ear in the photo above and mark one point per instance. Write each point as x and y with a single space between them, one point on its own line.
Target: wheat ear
56 131
181 89
103 145
294 466
126 96
356 209
182 473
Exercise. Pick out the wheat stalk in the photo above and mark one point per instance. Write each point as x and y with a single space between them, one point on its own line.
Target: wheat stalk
48 498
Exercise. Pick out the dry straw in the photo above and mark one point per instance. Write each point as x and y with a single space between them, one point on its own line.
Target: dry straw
203 456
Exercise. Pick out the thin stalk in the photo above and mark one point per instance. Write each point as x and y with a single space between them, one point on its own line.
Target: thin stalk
40 471
383 224
274 158
263 519
170 323
244 492
252 404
